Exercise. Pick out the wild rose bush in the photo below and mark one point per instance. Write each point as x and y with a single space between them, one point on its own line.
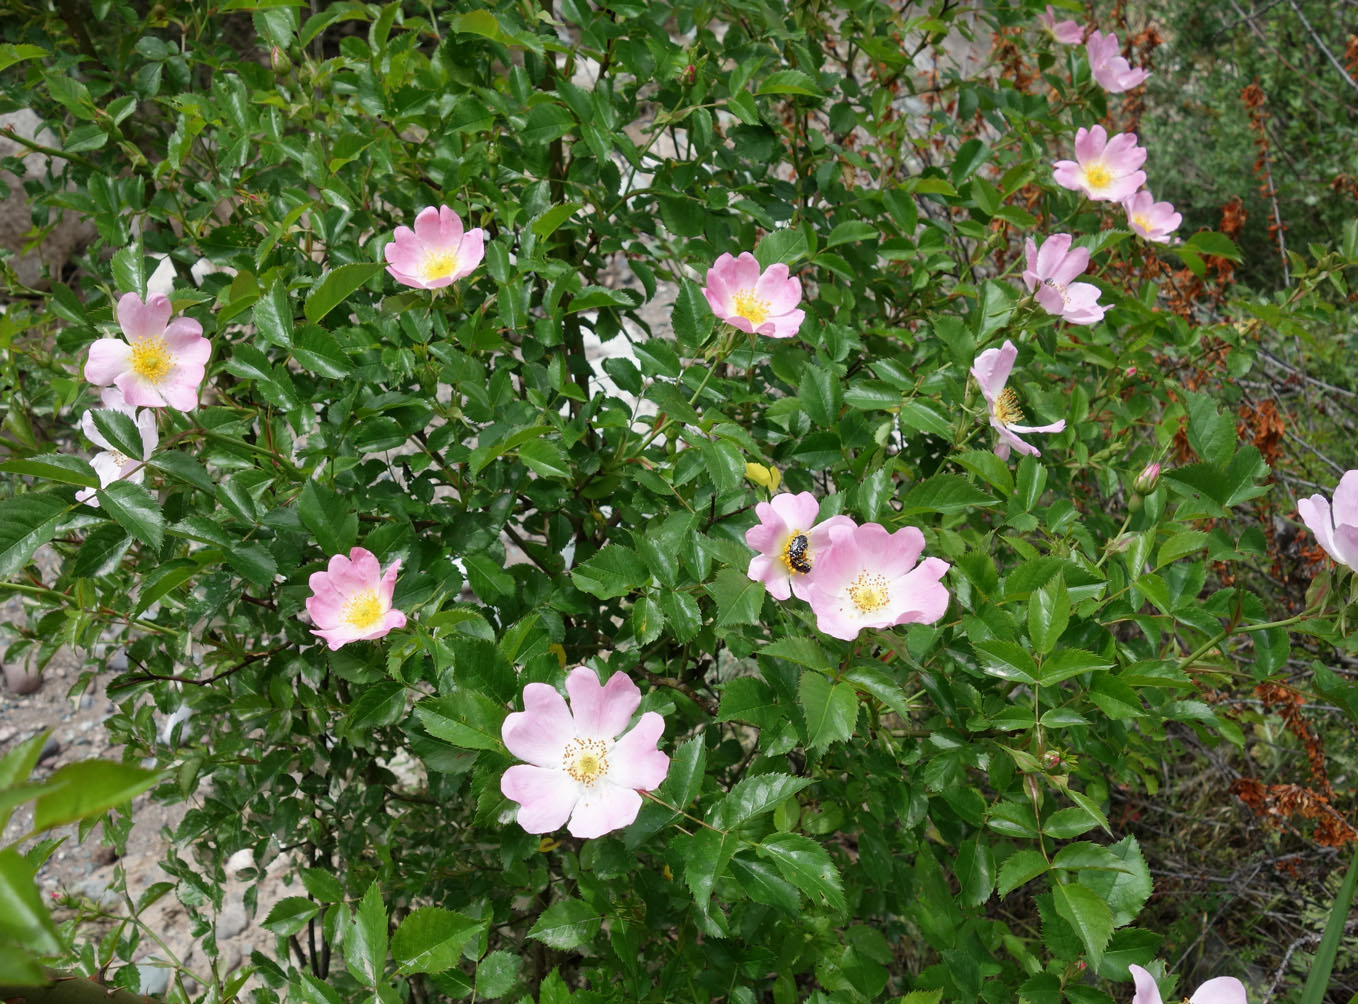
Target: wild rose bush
852 688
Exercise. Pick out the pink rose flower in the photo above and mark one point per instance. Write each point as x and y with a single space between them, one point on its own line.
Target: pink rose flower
1051 271
763 303
1065 32
351 599
991 370
1113 73
110 464
162 362
1153 220
1222 990
1336 528
790 543
1106 170
581 766
869 578
437 252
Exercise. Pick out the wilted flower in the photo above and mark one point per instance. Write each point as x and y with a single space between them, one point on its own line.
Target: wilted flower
437 252
869 578
1106 64
1066 32
763 303
1105 169
1153 220
1051 270
1222 990
790 542
580 766
1335 528
351 599
111 465
991 370
161 363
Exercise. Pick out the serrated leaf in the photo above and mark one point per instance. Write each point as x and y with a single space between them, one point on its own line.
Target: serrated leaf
254 563
830 710
135 510
754 796
289 915
546 223
430 939
23 917
464 717
365 949
1087 914
945 493
1126 890
335 287
58 467
738 599
546 459
164 579
1007 660
119 431
88 788
567 924
692 316
614 570
790 82
705 855
975 871
1019 868
1048 614
805 864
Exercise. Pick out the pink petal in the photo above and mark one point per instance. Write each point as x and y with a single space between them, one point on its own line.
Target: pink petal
634 762
1052 254
745 273
1222 990
540 732
109 357
1089 143
782 291
470 252
546 797
601 712
1074 264
337 637
1146 990
1346 499
150 438
1025 429
925 597
1315 513
143 320
364 564
1346 545
771 572
1067 173
387 588
784 325
603 808
138 393
796 511
992 368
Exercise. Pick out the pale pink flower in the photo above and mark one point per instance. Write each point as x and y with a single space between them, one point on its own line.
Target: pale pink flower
1051 271
1113 73
1106 170
1336 528
1065 32
110 464
763 303
581 766
161 363
1222 990
437 252
991 370
869 578
351 599
1153 220
790 543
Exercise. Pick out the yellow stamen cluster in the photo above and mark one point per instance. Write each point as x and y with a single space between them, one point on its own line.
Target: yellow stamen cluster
585 760
1140 221
869 592
119 460
151 359
751 306
439 264
1007 410
362 610
1097 175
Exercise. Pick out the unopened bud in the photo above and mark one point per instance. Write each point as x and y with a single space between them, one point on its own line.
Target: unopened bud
278 60
1147 480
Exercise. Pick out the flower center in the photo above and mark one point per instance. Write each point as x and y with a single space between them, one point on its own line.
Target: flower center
585 760
1006 409
751 306
1060 288
1141 222
869 592
439 264
120 460
797 553
1097 175
362 610
151 359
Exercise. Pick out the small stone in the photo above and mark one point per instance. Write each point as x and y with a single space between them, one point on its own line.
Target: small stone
49 749
154 976
96 890
21 679
231 922
7 733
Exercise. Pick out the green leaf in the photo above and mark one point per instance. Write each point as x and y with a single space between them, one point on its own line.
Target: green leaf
254 562
89 788
615 570
1125 891
737 597
546 223
365 949
705 855
26 523
567 924
430 939
754 796
762 883
647 620
920 416
59 467
183 467
465 717
335 286
749 699
786 246
381 704
789 82
692 317
328 516
273 315
851 231
945 493
135 510
1087 914
1323 964
546 459
322 885
23 917
1210 242
975 871
316 350
819 395
289 915
1007 660
1210 433
11 54
805 864
1048 614
1020 868
163 580
1071 662
830 709
119 431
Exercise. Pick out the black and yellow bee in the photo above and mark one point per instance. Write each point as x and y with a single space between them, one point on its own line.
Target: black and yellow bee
796 553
